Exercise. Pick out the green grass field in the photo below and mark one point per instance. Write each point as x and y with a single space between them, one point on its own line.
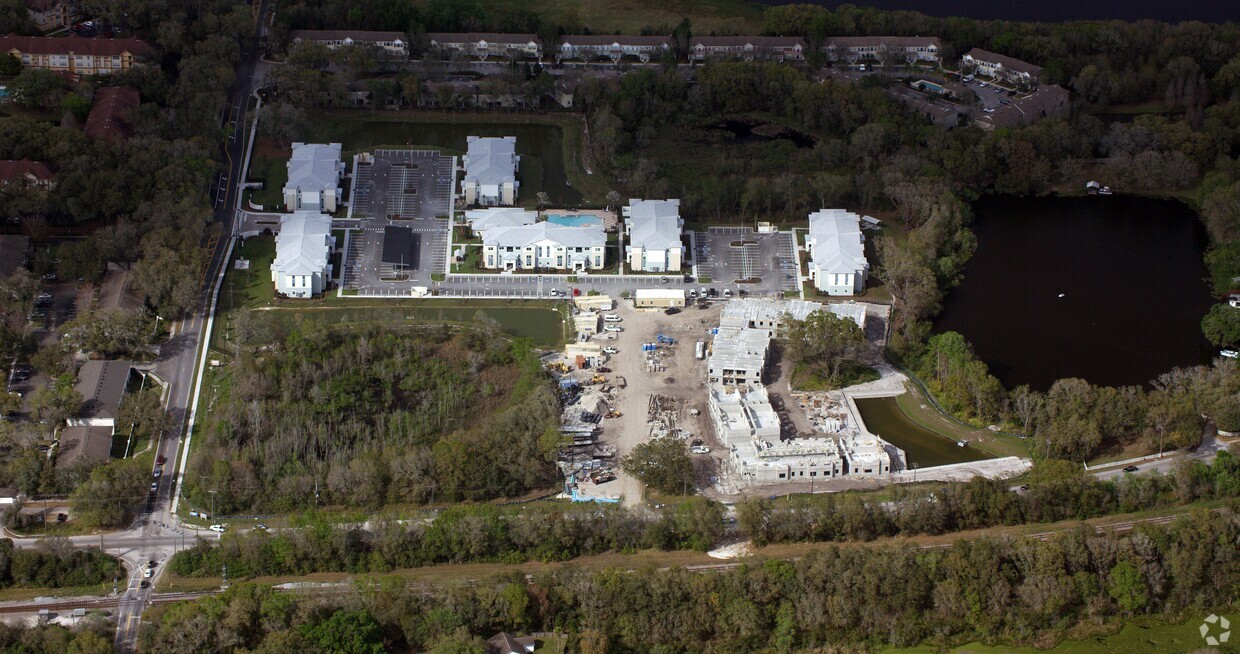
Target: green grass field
273 173
1137 636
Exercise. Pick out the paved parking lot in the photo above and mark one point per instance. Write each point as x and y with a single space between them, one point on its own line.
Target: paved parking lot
401 188
728 255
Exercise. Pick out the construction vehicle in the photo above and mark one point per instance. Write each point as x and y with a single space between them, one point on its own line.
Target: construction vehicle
613 414
665 340
597 379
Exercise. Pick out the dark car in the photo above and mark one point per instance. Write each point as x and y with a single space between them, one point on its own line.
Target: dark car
1131 468
603 369
144 584
671 311
150 564
160 460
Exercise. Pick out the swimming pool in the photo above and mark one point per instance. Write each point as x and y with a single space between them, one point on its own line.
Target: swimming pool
574 221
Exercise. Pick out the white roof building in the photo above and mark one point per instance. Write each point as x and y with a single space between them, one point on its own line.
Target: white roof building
837 252
654 229
767 314
544 246
738 356
314 172
867 456
482 220
300 268
742 414
491 171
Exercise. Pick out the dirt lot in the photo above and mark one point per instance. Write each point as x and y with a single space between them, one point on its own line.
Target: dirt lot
684 379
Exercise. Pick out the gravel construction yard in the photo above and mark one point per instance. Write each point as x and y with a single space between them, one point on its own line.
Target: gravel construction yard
684 379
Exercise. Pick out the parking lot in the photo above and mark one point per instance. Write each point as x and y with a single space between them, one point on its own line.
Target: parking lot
740 258
401 188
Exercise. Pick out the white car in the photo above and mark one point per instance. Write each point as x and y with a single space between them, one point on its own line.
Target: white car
148 573
218 528
611 317
610 350
700 449
984 84
613 328
1230 354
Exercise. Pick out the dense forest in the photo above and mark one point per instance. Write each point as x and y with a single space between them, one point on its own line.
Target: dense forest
838 597
551 532
55 564
90 636
375 415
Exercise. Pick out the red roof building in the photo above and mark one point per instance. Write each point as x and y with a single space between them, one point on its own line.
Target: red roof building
109 116
75 55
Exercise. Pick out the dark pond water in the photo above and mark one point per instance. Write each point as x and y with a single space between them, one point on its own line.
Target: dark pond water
745 132
1132 278
883 416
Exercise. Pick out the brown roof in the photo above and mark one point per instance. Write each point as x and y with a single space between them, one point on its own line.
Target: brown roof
489 37
84 443
102 385
340 35
608 39
48 45
20 168
756 41
888 41
42 5
1004 60
109 116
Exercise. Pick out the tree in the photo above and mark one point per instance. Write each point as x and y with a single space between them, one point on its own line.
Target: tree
662 464
1127 587
283 122
10 65
1222 325
113 333
346 632
824 344
112 489
56 402
38 87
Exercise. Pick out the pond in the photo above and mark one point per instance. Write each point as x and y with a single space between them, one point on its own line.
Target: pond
540 147
1108 289
882 416
752 132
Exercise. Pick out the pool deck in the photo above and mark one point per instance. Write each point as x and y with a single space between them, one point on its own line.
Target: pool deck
610 220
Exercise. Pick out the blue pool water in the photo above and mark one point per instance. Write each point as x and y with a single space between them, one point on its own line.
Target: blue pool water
929 86
574 221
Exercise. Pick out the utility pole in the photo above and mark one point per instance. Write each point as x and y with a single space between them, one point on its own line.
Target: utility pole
212 492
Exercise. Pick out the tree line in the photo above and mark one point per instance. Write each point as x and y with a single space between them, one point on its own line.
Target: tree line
55 564
377 414
1001 591
1074 419
552 532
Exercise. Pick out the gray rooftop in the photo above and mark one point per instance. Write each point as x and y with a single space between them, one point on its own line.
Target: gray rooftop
835 235
314 167
301 245
654 224
84 443
739 348
102 385
523 235
491 159
482 220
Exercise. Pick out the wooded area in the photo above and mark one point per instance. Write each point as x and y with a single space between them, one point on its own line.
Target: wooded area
553 532
55 564
1000 591
374 415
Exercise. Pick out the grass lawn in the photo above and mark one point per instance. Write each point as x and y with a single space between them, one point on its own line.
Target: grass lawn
804 380
473 259
1140 635
919 411
273 173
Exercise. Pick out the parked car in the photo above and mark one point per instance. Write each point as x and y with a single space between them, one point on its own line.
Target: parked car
148 573
610 350
611 317
1230 354
603 369
219 529
692 294
671 311
154 486
150 564
144 584
613 328
989 110
158 472
727 292
1131 468
160 460
984 84
700 449
261 526
1005 101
